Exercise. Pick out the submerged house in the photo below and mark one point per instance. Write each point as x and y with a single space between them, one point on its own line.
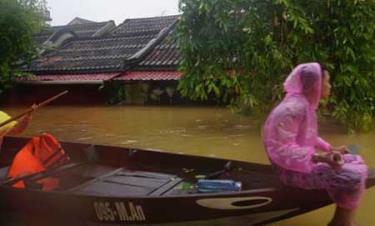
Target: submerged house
154 76
135 62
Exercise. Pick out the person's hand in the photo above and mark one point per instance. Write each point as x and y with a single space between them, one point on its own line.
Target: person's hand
316 158
334 159
341 149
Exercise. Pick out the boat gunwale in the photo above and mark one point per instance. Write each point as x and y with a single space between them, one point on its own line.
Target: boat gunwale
261 168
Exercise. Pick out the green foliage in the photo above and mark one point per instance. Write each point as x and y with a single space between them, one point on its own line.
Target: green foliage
242 50
117 93
19 21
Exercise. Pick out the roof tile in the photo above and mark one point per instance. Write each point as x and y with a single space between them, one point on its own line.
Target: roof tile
149 75
71 77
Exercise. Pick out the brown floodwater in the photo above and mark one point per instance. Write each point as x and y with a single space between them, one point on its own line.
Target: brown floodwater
206 131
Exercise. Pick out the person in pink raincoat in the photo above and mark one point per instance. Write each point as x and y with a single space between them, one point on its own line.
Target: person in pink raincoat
302 158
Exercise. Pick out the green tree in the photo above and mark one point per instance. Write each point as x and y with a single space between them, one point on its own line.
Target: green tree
242 50
19 21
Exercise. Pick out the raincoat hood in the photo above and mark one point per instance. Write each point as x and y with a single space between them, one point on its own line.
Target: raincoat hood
296 85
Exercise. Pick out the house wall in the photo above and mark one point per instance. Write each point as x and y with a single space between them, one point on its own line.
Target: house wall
33 93
159 93
137 93
151 92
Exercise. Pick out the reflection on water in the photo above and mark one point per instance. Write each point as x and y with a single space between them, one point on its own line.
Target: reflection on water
190 130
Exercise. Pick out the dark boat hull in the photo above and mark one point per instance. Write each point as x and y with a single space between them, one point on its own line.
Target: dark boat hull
106 200
154 211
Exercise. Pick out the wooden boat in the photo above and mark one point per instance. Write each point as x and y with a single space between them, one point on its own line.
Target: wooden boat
141 187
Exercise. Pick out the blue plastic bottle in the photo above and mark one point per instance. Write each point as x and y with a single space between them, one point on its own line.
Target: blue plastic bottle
205 185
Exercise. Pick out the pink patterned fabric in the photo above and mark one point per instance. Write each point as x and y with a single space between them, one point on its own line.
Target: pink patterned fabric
345 186
290 137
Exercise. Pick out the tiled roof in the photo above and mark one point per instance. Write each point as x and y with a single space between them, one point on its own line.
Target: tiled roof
104 54
165 55
83 30
79 20
150 25
71 77
149 75
91 54
43 36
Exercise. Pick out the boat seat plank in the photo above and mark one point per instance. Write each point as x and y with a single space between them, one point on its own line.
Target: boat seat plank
126 182
95 180
136 181
146 174
113 189
166 187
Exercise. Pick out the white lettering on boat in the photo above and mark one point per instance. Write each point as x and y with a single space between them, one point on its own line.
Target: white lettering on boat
229 203
119 211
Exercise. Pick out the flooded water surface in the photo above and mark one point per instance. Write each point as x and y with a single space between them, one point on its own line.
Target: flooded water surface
205 131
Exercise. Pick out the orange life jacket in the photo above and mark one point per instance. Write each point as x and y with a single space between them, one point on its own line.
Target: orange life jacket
39 154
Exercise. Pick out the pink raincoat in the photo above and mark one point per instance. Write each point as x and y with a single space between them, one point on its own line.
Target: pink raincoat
290 137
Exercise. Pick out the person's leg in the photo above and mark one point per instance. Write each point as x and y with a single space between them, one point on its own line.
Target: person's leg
345 186
343 217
